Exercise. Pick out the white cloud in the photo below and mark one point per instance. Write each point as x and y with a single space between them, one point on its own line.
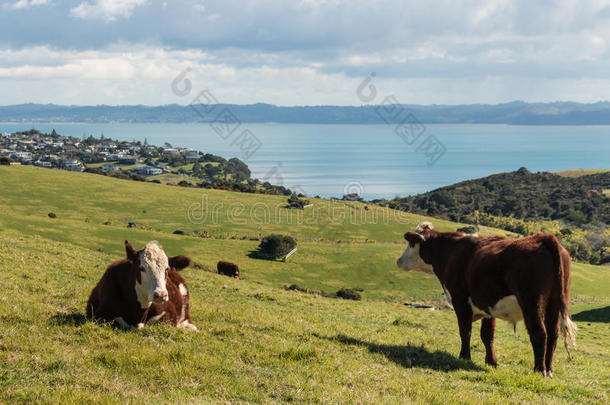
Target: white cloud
21 4
136 74
107 10
311 51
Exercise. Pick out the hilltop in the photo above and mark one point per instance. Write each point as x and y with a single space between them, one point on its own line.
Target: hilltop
258 342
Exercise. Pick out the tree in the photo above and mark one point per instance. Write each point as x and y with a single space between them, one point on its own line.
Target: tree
275 246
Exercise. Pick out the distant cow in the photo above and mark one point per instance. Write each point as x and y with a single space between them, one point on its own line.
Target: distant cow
228 269
496 277
141 288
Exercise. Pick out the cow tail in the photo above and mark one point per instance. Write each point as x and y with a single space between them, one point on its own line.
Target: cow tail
562 267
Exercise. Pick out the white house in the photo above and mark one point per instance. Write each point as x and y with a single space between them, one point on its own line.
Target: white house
148 170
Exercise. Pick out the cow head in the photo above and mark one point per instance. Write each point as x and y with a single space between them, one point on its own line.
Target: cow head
411 258
151 265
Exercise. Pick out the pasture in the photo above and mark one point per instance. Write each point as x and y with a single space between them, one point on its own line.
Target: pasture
258 342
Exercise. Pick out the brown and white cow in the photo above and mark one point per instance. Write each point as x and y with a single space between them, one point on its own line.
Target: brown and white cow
496 277
228 269
144 287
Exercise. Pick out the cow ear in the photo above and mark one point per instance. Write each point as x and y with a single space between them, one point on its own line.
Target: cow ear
132 254
414 237
179 262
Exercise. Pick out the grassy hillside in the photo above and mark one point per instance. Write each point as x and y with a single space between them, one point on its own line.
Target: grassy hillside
258 342
580 172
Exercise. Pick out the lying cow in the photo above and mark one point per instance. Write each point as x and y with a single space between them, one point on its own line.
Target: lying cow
228 269
141 288
496 277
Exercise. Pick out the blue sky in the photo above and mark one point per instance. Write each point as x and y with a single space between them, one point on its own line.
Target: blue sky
307 52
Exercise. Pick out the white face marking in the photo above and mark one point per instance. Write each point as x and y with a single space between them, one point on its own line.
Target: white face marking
154 262
411 260
506 308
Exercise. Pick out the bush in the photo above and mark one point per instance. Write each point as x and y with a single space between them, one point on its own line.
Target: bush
4 161
349 294
52 215
468 229
95 170
275 246
295 202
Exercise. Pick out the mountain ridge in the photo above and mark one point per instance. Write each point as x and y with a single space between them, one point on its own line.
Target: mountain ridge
511 113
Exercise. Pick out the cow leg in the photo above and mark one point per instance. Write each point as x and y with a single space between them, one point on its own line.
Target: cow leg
464 316
533 322
551 323
488 328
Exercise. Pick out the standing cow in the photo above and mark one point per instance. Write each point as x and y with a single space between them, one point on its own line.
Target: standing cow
496 277
143 287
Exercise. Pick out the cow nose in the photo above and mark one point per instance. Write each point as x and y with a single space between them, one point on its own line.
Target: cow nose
160 296
398 262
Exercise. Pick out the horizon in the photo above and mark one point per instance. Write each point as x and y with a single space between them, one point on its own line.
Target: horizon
318 105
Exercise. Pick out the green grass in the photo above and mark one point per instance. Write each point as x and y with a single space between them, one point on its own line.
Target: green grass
580 172
85 196
258 342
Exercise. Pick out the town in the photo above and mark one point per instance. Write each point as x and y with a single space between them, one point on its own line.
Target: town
74 154
133 160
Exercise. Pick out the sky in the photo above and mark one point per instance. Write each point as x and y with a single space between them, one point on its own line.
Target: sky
307 52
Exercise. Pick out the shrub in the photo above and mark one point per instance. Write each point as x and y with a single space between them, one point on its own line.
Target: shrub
95 170
4 161
295 202
275 246
349 294
52 215
468 229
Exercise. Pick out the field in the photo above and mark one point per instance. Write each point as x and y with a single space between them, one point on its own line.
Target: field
580 172
258 342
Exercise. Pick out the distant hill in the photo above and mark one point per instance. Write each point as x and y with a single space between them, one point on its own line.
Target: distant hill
520 194
515 113
576 209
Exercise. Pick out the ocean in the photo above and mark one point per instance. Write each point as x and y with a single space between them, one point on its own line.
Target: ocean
372 160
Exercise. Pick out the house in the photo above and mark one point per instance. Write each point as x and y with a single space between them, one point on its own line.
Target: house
41 163
148 170
23 156
127 160
108 168
191 155
73 165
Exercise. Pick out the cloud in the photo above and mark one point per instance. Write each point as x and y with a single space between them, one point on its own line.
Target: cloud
106 10
317 50
22 4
